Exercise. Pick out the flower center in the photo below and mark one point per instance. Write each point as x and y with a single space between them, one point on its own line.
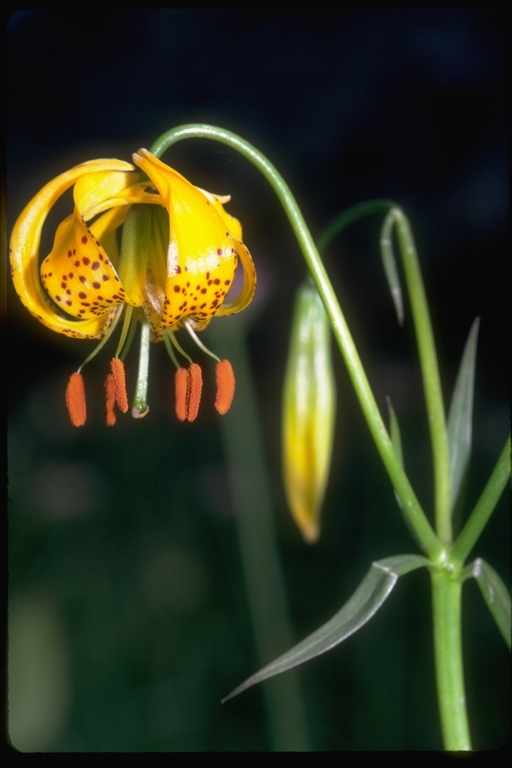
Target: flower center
188 380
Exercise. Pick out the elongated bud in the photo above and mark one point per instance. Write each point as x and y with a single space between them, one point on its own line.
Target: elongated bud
118 374
225 379
308 412
110 401
189 385
75 400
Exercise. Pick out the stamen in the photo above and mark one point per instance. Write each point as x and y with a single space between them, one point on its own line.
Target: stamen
128 332
225 379
170 349
170 335
198 341
104 340
181 383
194 394
118 374
110 400
75 400
189 384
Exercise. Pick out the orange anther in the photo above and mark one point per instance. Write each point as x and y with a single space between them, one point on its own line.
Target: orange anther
117 368
195 381
225 379
181 383
189 383
110 401
75 400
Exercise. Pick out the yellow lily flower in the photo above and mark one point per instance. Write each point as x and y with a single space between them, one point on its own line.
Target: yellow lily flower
177 261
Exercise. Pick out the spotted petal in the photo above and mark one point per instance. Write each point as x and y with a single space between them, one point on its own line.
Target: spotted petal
25 242
78 275
203 253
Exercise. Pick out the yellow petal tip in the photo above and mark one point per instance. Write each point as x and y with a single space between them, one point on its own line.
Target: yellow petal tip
310 532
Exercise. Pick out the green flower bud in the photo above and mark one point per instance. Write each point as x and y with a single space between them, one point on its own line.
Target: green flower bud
309 409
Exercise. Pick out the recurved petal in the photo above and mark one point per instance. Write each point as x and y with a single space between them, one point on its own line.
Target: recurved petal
246 295
78 275
92 189
165 179
169 182
218 201
97 192
202 254
24 251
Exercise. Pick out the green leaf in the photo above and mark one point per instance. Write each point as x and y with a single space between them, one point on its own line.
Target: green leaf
484 507
395 431
495 594
396 439
389 264
461 414
364 603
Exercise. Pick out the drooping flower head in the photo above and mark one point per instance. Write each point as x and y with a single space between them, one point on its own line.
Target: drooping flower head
177 261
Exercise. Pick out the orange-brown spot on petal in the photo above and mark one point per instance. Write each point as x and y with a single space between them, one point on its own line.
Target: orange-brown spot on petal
110 401
75 400
196 386
225 379
181 383
117 368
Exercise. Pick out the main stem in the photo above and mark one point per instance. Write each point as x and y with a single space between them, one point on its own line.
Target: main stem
446 609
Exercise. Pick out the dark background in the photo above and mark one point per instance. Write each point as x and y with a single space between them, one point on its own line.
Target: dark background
119 547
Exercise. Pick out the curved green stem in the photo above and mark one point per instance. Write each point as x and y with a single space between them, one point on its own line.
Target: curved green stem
348 216
484 508
419 522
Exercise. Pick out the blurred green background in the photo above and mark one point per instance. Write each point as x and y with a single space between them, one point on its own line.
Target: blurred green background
128 609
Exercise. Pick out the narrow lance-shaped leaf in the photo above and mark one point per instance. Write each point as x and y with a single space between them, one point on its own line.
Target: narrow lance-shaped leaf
461 414
364 603
484 507
495 594
389 264
396 439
